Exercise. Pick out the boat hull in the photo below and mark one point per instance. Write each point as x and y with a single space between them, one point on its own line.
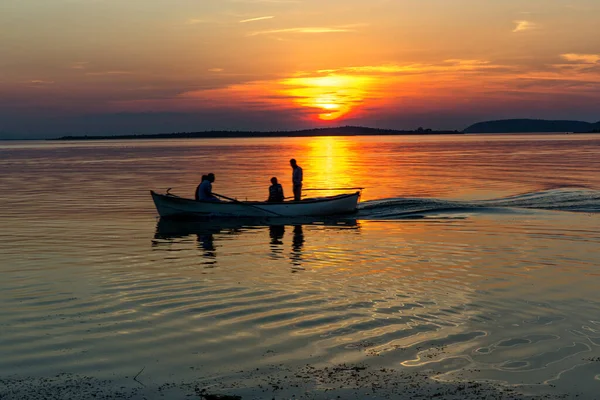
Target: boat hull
169 206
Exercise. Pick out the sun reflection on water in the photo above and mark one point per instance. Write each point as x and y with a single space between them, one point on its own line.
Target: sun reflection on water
330 161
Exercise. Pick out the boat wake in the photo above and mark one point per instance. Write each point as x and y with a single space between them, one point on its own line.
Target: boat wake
563 199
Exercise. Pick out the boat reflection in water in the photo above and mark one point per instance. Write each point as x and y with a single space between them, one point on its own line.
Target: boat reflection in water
297 243
277 232
211 236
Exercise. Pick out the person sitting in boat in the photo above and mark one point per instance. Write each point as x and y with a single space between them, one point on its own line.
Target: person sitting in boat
204 192
275 191
296 180
197 192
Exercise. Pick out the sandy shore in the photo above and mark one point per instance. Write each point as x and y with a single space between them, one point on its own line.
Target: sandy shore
277 382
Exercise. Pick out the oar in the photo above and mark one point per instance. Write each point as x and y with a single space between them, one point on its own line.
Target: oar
246 204
171 194
353 188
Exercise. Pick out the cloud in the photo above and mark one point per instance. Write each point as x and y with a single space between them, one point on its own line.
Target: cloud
79 65
460 61
257 19
359 91
104 73
314 29
39 83
336 93
449 65
582 58
385 69
523 26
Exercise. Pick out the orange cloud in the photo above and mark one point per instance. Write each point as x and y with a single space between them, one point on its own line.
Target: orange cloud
256 19
103 73
310 29
355 91
582 58
523 26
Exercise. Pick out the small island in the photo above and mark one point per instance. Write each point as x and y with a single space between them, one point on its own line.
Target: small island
533 126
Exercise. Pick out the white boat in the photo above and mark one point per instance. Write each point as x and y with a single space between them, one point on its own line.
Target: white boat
171 206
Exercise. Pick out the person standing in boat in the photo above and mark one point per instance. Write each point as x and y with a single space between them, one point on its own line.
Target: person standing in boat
296 179
204 192
275 192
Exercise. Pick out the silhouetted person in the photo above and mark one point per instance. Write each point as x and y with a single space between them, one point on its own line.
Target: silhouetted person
296 180
275 192
197 192
205 189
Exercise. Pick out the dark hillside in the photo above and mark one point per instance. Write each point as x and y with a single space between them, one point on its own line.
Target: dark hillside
529 126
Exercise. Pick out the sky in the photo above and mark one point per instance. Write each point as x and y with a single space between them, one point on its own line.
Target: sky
76 67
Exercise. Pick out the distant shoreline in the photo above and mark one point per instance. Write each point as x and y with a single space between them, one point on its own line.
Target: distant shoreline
507 126
340 131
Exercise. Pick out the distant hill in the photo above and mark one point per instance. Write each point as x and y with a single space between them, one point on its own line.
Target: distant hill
339 131
531 126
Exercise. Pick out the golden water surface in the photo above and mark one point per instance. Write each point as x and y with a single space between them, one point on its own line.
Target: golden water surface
471 259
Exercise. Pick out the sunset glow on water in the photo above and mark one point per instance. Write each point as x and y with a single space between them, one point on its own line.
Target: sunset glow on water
470 268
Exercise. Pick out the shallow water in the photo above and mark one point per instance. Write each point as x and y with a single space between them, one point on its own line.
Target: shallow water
472 258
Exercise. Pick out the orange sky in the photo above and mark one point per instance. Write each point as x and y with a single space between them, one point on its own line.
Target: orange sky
113 66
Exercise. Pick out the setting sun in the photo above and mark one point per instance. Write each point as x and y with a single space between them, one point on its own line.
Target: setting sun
331 97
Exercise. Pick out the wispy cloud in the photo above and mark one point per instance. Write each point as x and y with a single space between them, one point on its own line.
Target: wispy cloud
582 58
310 29
463 65
40 82
216 70
522 26
385 69
79 65
463 62
257 19
103 73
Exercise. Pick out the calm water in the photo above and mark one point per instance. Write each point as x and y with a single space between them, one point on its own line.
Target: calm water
471 259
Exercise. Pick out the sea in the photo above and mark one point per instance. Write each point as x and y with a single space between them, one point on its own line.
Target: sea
471 270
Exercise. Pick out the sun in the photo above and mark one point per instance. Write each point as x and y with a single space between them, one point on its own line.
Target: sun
330 97
329 106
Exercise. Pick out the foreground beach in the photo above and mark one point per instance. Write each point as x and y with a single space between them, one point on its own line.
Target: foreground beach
277 382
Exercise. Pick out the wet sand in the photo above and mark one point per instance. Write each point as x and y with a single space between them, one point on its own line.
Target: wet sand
342 381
